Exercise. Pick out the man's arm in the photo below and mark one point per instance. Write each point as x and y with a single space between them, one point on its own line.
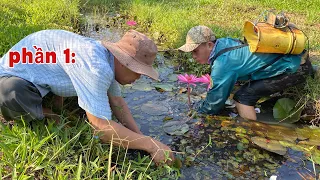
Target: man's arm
126 138
216 97
121 111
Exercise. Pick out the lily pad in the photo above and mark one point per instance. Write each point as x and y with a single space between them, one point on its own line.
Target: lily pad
176 128
285 109
173 77
164 87
154 109
270 145
308 136
142 86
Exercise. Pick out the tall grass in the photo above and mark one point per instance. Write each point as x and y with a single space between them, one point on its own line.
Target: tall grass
62 152
168 21
21 18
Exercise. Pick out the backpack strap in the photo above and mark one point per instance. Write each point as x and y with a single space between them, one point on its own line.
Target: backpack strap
243 44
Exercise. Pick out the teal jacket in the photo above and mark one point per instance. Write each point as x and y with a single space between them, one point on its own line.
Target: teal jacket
241 64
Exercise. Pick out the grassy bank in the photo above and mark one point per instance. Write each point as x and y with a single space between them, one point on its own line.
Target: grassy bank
21 18
168 21
44 150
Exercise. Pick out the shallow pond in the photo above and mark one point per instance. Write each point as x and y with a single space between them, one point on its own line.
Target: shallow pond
214 147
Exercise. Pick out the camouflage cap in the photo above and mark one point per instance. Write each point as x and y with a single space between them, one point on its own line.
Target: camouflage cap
196 36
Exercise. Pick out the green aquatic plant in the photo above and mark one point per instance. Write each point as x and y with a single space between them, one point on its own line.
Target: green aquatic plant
287 110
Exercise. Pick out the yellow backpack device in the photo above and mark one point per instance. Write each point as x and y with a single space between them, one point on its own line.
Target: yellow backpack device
274 35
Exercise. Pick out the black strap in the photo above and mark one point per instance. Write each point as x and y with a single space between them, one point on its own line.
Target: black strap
228 49
243 44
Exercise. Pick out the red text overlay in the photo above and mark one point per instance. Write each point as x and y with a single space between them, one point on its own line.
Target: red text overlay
40 57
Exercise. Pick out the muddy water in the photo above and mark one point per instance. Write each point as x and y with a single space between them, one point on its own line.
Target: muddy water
232 153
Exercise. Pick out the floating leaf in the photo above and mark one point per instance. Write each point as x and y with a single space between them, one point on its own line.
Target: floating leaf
183 141
270 145
316 156
240 146
240 130
189 150
227 123
177 163
172 77
176 127
154 109
285 109
142 86
167 118
163 87
183 90
244 141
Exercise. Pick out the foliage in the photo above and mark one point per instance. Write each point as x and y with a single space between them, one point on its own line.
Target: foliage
185 63
285 110
310 91
167 22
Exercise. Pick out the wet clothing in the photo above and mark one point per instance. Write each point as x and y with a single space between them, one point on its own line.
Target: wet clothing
241 64
252 91
90 77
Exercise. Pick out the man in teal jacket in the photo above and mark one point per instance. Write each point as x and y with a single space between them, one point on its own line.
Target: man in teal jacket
231 60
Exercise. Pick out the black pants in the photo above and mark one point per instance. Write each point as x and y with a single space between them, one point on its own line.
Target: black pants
19 98
251 92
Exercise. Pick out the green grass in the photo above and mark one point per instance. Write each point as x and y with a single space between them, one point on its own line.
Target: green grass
168 21
21 18
61 152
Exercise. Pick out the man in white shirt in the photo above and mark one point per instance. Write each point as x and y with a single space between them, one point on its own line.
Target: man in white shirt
89 70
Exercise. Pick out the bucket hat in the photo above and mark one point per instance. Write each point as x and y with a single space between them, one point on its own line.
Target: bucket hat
135 51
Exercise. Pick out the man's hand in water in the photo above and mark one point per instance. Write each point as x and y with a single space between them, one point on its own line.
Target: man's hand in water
161 153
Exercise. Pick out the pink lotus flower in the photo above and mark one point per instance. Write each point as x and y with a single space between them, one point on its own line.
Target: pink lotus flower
205 79
131 23
189 79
